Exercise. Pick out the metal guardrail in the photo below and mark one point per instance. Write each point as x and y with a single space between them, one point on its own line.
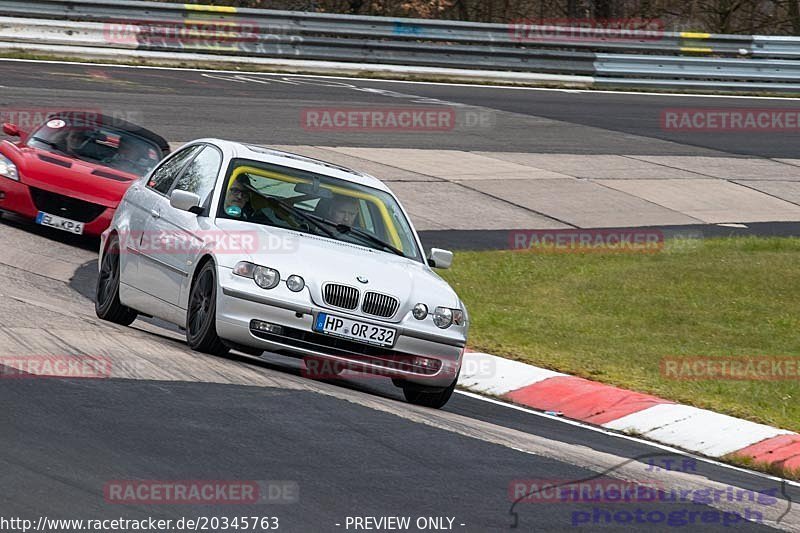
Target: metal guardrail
635 59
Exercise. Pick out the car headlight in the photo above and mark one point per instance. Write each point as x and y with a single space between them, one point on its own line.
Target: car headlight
420 311
443 317
266 278
8 169
295 283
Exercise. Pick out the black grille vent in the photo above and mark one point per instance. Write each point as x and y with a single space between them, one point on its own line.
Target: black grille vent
377 304
55 161
64 206
110 175
340 296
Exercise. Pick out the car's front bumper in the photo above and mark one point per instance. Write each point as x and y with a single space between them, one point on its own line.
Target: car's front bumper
16 197
238 306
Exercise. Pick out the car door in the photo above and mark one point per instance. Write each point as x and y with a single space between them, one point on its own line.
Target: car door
156 187
178 236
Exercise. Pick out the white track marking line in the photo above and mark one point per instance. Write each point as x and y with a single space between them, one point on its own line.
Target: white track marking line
604 431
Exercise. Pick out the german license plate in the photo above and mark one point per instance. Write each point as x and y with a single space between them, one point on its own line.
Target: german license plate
354 330
64 224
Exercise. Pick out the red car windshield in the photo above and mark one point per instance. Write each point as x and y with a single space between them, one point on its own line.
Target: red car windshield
99 144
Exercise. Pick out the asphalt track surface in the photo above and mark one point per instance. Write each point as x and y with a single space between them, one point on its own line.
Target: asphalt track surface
353 447
267 109
184 105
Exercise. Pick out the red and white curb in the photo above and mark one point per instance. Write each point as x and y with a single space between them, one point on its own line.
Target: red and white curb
690 428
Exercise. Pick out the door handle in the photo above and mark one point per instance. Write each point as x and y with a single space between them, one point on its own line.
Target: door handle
155 213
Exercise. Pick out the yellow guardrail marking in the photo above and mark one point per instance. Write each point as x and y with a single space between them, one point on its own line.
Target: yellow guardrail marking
694 35
213 9
696 50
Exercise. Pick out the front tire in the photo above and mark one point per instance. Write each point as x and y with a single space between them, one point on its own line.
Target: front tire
201 316
426 398
106 298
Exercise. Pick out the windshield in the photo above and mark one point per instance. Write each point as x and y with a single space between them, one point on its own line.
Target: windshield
294 199
99 144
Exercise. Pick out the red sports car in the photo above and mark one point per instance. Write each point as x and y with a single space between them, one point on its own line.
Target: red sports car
70 173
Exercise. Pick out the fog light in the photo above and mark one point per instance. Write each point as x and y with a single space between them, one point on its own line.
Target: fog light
266 327
420 311
295 283
424 363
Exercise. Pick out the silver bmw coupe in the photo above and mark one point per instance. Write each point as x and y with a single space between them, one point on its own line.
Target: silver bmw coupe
256 250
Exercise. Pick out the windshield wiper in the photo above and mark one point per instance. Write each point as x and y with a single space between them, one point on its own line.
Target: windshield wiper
51 144
318 222
344 228
299 212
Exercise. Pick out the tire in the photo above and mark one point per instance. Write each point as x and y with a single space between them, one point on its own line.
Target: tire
427 398
106 298
201 315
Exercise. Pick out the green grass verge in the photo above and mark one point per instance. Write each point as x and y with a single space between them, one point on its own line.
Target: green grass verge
612 317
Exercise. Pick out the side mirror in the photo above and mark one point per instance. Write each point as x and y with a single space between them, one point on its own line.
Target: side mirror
12 130
439 258
185 201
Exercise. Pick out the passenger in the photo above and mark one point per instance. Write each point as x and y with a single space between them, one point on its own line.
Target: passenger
129 157
73 141
343 210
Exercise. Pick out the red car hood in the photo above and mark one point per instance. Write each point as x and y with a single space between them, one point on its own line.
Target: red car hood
72 177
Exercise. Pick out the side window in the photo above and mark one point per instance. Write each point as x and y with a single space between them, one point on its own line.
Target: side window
201 174
162 178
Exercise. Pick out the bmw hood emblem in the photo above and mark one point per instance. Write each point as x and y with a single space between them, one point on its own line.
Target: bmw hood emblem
362 279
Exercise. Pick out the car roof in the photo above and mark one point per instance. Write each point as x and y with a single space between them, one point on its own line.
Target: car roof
301 162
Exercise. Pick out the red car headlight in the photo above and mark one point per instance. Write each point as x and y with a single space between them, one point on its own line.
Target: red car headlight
8 169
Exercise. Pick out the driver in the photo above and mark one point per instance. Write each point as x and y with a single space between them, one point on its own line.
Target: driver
239 202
